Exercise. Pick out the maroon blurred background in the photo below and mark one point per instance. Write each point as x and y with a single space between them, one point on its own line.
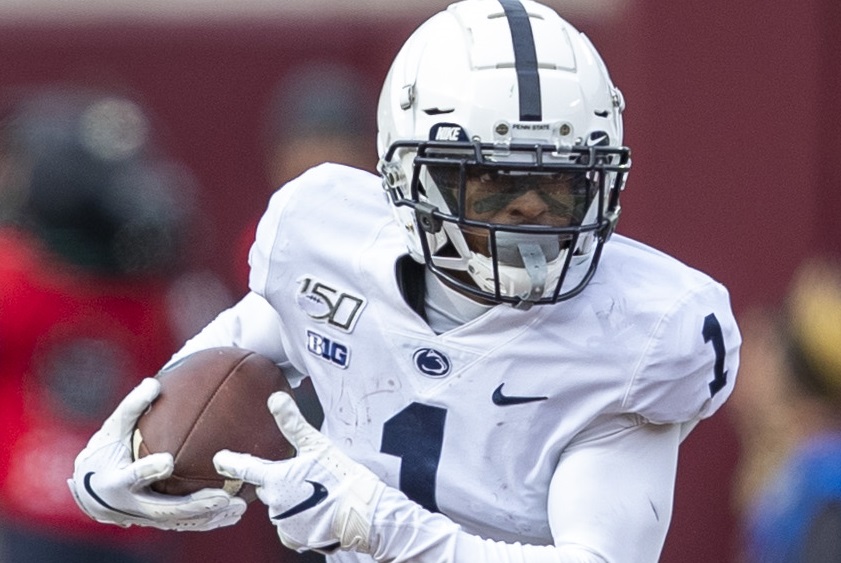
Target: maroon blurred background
732 117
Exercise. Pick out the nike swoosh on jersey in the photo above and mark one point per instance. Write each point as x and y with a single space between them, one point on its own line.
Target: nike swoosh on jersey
505 400
318 495
100 500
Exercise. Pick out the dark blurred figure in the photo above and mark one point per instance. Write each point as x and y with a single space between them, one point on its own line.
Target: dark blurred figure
92 226
787 408
319 112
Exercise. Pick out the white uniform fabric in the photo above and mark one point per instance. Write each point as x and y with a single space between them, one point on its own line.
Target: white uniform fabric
559 425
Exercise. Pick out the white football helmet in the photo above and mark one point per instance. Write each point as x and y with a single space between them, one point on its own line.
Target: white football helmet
507 97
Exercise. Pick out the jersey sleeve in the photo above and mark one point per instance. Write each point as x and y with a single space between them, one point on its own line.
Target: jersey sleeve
267 240
295 211
689 366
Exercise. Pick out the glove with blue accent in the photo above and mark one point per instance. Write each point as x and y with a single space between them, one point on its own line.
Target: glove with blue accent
111 488
319 500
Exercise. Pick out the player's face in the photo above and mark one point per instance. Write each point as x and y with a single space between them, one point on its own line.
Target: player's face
553 200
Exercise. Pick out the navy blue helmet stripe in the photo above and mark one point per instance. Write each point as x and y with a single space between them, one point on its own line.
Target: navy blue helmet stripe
525 60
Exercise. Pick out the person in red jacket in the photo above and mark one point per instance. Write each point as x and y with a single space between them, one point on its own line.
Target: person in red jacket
89 238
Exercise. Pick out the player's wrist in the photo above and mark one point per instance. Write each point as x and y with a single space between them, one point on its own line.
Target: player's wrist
403 530
354 517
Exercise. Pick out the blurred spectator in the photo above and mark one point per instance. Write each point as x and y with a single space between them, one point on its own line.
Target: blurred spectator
319 112
787 410
92 230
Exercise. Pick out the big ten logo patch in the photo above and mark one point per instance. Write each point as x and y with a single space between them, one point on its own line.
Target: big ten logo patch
330 305
329 350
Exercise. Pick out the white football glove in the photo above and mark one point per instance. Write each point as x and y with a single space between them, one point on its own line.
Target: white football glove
110 488
321 499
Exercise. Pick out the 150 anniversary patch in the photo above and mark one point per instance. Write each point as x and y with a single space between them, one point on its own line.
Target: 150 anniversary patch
328 304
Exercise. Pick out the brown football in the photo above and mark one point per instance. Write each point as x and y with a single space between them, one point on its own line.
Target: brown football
212 400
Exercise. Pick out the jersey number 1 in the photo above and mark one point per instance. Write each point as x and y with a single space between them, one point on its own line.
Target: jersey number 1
712 333
415 435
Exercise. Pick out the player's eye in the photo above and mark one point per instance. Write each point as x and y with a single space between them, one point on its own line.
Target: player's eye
566 194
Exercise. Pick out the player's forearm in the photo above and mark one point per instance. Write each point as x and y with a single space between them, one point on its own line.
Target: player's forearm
472 548
404 531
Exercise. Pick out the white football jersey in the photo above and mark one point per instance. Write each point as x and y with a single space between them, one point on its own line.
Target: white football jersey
472 422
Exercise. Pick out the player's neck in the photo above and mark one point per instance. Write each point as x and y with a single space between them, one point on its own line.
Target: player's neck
447 309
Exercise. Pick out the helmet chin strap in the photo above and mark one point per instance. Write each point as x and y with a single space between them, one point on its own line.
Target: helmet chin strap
530 252
535 265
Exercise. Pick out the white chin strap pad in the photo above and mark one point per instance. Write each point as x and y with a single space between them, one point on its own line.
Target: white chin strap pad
530 252
535 266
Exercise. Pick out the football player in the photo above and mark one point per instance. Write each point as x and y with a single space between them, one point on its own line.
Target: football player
502 377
